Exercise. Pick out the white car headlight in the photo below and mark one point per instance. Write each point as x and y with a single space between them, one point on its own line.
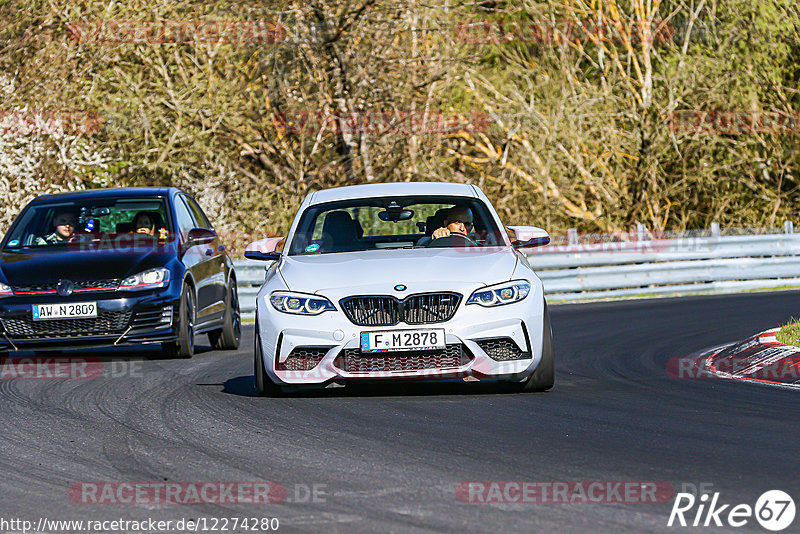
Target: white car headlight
5 290
299 304
500 294
152 278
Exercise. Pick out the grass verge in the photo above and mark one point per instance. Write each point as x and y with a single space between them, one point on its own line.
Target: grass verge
789 334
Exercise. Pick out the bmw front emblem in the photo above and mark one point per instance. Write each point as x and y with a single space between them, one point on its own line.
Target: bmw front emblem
64 288
400 287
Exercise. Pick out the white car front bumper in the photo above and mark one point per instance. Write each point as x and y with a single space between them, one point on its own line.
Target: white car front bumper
332 340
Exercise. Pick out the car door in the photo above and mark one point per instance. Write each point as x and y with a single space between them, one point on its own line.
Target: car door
213 286
192 256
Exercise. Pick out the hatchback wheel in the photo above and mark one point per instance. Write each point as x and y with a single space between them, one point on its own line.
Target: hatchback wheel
230 335
184 347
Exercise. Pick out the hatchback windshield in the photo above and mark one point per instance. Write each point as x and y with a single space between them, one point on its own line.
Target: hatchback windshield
95 221
391 222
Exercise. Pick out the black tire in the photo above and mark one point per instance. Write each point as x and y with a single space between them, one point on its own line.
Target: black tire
265 387
184 347
544 376
230 335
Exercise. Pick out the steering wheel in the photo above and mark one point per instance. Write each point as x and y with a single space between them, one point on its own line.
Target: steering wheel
453 240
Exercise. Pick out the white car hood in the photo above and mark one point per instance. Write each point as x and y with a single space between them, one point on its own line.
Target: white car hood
380 270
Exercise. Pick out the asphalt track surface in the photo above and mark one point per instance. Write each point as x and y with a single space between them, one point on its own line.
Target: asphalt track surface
390 459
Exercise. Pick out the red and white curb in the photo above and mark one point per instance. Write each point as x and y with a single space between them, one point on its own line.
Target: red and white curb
760 359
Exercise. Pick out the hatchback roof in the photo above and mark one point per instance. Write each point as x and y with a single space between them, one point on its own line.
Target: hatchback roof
119 192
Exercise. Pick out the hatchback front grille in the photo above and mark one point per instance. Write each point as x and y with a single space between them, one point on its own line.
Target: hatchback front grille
80 286
106 323
354 361
386 310
152 319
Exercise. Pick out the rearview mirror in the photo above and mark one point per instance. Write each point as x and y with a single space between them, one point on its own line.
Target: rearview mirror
529 236
264 249
395 215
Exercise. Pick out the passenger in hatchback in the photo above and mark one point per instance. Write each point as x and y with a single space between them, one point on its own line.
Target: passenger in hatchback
64 223
149 222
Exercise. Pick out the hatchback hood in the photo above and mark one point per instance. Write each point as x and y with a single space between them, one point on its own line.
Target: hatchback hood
411 267
48 267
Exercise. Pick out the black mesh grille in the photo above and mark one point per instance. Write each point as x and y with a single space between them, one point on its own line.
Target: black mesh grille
106 322
303 359
502 349
355 362
424 308
430 307
110 284
152 318
372 311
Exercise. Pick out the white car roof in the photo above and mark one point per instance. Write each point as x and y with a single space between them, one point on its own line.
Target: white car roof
391 189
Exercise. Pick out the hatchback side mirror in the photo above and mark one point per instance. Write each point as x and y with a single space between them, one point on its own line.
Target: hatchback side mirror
264 249
200 236
529 236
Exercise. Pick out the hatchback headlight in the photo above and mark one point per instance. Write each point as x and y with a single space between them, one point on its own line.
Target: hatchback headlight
500 294
300 304
5 290
150 279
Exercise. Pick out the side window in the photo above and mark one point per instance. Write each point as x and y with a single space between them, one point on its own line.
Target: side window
197 213
183 216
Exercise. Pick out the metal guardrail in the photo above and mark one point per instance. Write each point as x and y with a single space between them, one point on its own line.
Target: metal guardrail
575 270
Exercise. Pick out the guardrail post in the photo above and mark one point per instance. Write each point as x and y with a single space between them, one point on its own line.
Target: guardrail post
572 236
715 229
788 227
641 232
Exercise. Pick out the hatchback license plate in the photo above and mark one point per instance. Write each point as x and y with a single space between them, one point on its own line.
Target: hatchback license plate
393 340
73 310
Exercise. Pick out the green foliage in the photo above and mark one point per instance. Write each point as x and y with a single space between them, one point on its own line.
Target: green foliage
789 334
578 131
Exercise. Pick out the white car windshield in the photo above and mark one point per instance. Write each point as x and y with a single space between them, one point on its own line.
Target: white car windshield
393 222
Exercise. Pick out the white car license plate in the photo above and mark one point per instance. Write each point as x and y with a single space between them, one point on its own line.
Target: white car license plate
427 339
73 310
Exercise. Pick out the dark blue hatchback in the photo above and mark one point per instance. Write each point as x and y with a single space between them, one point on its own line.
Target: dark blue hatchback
116 266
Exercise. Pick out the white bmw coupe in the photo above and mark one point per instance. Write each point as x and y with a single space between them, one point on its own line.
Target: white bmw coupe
415 281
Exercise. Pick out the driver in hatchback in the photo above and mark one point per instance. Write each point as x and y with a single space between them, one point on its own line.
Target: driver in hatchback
64 223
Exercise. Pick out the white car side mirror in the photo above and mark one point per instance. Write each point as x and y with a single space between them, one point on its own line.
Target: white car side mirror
264 249
529 236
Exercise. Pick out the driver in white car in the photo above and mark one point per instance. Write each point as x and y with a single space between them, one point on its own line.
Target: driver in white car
457 221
